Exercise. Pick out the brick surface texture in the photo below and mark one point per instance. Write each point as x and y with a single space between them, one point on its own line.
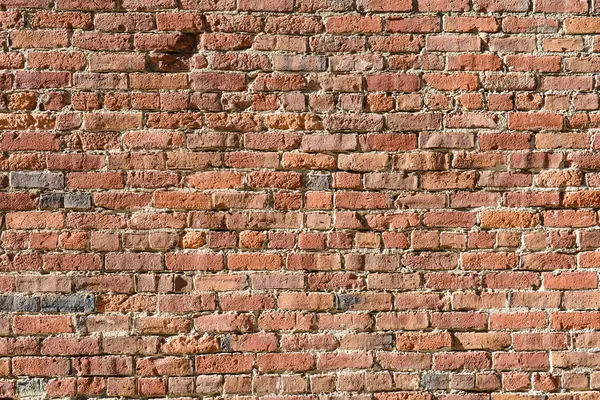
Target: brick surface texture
300 199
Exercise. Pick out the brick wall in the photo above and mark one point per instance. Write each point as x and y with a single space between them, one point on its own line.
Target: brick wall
300 199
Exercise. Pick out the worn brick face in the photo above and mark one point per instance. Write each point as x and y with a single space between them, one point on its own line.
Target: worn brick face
300 199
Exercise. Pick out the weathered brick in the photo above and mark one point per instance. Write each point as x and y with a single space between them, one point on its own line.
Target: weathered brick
39 180
18 303
67 303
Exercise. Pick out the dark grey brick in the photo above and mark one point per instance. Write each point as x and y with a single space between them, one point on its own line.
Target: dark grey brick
81 323
78 200
433 381
68 303
37 180
226 343
318 182
345 301
51 200
17 303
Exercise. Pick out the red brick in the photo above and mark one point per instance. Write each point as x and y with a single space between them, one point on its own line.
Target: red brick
570 280
483 340
285 362
535 121
524 63
40 366
528 361
489 261
459 320
567 83
443 5
453 43
567 218
338 360
460 361
224 363
447 180
475 62
30 324
528 320
539 341
507 219
500 6
459 81
548 261
560 6
413 24
353 24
